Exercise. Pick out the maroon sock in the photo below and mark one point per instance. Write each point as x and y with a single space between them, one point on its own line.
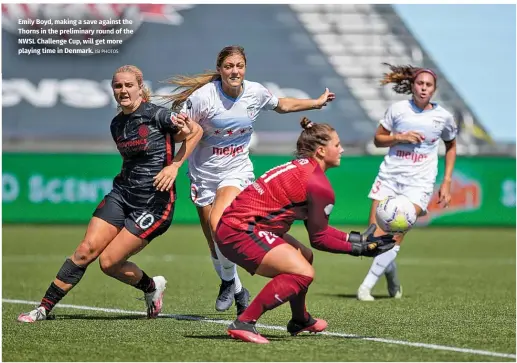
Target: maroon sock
280 289
298 306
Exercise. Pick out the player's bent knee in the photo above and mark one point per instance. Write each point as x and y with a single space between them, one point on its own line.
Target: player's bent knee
308 271
85 253
304 281
108 265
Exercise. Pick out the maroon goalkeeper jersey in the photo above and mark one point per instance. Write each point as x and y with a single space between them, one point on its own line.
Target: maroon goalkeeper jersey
297 190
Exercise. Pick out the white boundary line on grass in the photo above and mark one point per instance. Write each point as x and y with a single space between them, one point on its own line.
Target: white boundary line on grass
273 327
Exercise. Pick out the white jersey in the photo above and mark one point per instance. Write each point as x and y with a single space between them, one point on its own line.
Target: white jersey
227 127
415 164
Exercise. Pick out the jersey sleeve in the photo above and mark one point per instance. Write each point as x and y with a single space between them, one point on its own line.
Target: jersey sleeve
165 120
267 100
387 120
320 201
450 130
196 106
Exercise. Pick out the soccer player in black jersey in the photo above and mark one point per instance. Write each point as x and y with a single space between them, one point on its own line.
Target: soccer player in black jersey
141 204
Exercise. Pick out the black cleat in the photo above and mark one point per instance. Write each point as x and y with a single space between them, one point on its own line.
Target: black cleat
242 300
311 325
226 293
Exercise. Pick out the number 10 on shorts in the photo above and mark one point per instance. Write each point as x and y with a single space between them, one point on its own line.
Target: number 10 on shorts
145 220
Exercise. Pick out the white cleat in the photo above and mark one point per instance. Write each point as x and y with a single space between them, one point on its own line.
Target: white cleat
396 294
364 294
154 300
33 316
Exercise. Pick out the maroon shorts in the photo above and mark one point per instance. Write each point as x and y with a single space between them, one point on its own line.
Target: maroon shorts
245 248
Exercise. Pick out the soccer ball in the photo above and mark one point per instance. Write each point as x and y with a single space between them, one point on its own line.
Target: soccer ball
395 214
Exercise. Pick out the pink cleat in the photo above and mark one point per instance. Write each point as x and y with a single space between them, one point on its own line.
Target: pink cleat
154 300
33 316
246 332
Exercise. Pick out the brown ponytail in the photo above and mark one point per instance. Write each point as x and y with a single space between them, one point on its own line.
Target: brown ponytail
403 77
312 136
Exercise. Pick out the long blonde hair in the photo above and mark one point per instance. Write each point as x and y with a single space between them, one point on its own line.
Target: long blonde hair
186 85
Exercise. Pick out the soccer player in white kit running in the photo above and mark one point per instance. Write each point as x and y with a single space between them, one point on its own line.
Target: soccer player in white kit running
412 130
226 106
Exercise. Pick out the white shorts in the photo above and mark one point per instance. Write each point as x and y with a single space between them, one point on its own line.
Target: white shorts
383 188
202 192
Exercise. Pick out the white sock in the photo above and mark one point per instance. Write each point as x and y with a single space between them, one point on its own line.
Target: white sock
378 267
217 266
390 268
238 284
228 270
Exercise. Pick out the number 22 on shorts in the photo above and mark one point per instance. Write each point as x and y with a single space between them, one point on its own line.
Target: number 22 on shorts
268 236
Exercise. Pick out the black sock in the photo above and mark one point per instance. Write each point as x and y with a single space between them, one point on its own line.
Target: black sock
146 284
53 295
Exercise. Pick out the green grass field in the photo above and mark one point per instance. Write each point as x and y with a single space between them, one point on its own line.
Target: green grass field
458 304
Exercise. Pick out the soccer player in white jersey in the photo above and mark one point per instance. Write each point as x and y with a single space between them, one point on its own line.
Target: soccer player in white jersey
226 106
412 130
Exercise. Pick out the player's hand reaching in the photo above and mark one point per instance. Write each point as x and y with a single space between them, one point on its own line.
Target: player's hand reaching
182 121
164 180
367 244
410 137
444 194
327 96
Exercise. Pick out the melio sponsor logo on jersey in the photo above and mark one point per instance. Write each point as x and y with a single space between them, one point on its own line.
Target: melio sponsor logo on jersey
231 150
409 155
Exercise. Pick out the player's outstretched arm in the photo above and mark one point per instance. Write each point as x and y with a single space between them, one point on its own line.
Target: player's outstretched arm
286 105
320 202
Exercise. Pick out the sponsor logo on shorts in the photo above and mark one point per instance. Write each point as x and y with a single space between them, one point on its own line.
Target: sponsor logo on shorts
231 150
102 203
409 155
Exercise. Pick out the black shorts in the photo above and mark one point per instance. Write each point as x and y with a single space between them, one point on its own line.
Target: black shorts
143 223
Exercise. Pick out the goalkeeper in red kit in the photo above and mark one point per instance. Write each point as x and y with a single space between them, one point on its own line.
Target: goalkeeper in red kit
253 231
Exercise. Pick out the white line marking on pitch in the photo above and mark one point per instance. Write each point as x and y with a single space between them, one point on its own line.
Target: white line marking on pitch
273 327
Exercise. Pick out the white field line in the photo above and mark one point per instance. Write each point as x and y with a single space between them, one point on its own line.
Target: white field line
273 327
403 261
